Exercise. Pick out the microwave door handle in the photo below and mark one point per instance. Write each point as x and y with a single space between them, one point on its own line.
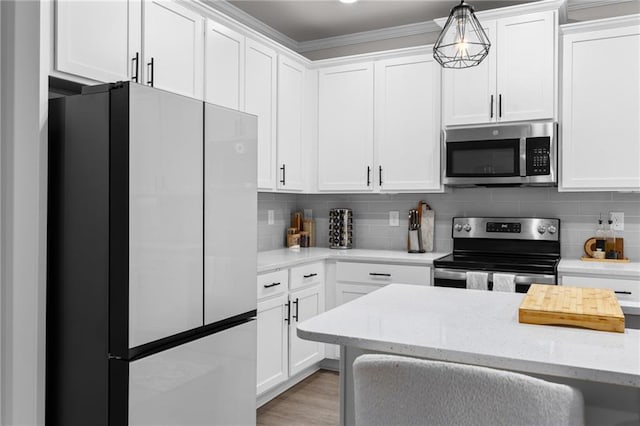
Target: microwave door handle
523 157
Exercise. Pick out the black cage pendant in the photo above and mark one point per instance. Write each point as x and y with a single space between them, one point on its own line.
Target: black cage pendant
462 42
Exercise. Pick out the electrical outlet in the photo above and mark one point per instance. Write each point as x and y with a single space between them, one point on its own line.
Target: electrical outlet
270 217
618 220
394 218
308 214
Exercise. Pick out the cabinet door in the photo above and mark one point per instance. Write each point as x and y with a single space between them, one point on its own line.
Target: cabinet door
224 66
230 198
260 99
173 41
526 67
97 39
165 214
273 343
348 292
290 107
345 128
600 110
206 381
305 304
469 94
407 123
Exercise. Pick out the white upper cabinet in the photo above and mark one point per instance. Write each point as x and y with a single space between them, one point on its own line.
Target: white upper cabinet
517 79
98 40
525 59
224 66
407 123
600 148
345 128
469 94
173 48
261 66
105 41
291 80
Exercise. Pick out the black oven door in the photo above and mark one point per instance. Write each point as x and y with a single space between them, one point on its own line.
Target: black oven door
483 161
457 278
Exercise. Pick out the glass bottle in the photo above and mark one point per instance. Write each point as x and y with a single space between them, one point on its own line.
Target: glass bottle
600 237
610 242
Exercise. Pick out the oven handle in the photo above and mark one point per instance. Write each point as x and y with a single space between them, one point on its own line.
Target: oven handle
457 274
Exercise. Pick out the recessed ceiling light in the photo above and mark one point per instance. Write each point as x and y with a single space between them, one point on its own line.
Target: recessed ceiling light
348 1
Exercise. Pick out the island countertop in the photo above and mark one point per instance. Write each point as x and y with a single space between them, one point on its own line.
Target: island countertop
479 328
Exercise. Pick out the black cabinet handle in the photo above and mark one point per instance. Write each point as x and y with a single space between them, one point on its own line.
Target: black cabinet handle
500 105
135 65
288 317
622 292
380 174
368 176
491 107
271 285
375 274
150 70
283 180
309 276
295 317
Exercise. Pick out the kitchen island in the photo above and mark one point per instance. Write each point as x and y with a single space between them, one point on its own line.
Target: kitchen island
482 328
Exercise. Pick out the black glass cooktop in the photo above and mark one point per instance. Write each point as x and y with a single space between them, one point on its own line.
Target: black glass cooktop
501 263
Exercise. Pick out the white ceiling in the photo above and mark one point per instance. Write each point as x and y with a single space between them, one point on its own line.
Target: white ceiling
305 20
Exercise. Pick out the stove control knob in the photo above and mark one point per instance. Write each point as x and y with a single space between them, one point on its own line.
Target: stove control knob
457 227
467 227
552 229
542 229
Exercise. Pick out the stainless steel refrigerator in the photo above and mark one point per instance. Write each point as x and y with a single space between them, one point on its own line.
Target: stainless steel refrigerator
151 298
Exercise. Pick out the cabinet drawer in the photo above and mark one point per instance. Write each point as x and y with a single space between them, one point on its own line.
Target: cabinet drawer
381 274
302 276
627 290
272 283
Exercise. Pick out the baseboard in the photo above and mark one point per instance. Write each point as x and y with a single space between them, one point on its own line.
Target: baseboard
282 387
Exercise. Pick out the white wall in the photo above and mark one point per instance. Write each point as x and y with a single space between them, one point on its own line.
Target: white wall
23 213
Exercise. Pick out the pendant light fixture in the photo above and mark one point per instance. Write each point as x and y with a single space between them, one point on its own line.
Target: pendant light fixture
462 42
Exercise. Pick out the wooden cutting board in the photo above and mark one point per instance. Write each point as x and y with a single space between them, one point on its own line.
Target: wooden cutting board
593 308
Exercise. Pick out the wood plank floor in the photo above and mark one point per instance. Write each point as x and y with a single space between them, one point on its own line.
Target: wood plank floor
314 401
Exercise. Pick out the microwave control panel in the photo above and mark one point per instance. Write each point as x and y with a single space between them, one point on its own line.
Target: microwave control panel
538 156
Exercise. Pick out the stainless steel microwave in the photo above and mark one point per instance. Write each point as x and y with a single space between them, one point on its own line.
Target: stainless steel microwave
501 154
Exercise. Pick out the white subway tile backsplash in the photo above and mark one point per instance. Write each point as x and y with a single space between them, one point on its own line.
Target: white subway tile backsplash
578 212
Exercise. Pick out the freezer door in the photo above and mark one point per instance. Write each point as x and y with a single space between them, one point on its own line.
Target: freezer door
165 214
230 213
210 381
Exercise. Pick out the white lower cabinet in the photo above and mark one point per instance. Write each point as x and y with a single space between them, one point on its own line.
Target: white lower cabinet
355 279
273 343
305 304
285 298
627 290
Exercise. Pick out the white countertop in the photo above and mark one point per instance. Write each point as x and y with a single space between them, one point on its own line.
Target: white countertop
285 258
476 327
605 269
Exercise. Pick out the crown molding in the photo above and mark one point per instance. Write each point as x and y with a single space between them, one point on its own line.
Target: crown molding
369 36
601 24
237 14
244 18
587 4
518 9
